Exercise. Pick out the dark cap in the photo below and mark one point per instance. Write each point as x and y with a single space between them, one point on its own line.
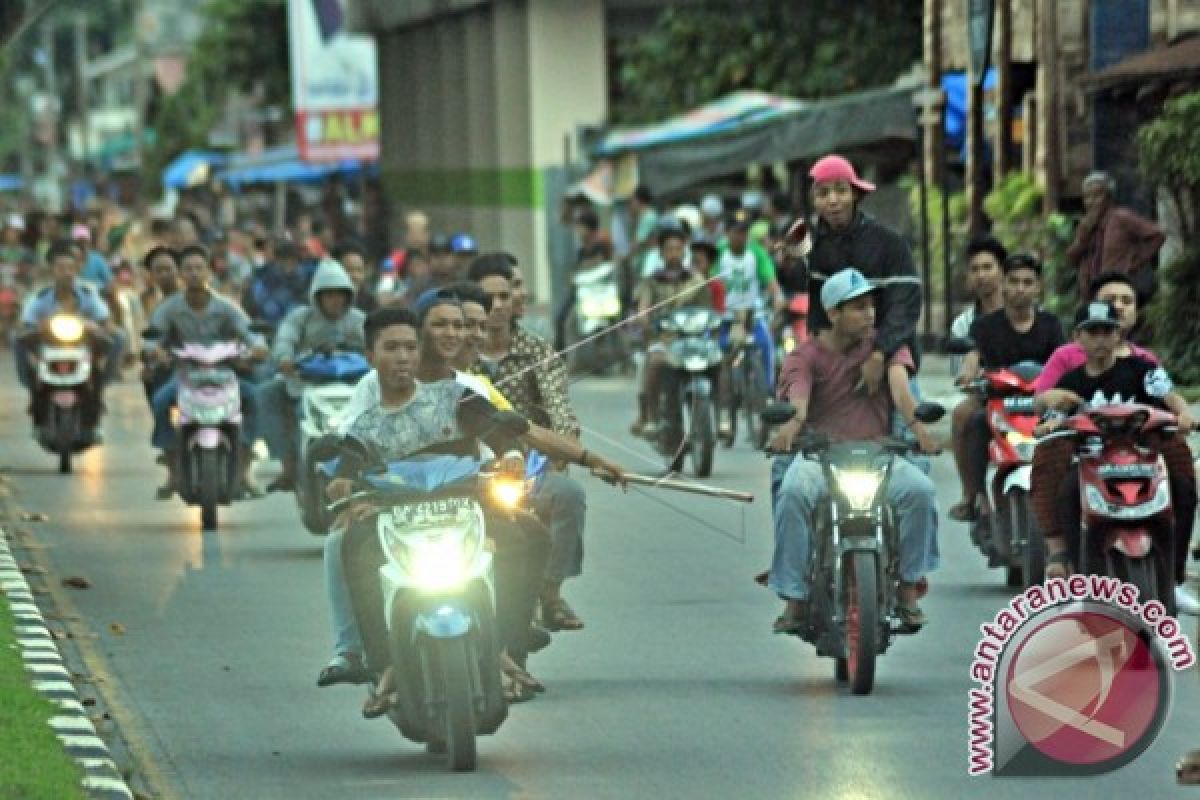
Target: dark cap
1097 315
440 243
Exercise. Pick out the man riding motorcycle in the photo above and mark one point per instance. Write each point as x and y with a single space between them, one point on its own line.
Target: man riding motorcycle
197 314
70 294
329 321
820 379
1019 332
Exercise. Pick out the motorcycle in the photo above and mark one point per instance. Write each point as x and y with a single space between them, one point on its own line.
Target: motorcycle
595 319
209 419
750 387
1008 535
793 324
10 299
1125 496
854 568
66 382
330 378
438 592
686 408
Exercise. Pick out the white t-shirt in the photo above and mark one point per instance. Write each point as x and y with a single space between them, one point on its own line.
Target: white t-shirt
740 276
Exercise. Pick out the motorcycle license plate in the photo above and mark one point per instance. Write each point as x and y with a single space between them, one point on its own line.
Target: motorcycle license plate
1021 404
445 511
64 399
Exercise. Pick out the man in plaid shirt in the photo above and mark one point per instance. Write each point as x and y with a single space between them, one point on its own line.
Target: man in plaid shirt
525 368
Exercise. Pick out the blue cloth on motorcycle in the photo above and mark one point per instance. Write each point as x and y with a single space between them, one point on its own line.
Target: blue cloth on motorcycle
426 473
536 467
338 366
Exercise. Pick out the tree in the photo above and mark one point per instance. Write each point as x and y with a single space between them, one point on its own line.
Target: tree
810 49
1169 157
243 48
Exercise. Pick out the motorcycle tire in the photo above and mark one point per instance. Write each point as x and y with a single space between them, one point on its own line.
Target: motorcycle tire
456 660
1153 582
702 440
861 614
754 398
1033 551
210 469
65 424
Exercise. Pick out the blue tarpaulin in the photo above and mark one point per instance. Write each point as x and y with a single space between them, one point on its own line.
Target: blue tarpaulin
191 168
955 86
282 165
11 183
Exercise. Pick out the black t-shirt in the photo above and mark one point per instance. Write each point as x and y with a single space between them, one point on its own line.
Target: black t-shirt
1130 380
1001 345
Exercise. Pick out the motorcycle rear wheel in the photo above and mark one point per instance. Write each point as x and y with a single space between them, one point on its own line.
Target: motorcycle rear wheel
211 468
65 424
861 610
754 397
702 440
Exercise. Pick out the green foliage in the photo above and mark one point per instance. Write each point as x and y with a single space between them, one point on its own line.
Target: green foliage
817 48
243 48
1169 157
1015 208
957 206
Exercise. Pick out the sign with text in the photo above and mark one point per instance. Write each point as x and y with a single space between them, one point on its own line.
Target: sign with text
335 88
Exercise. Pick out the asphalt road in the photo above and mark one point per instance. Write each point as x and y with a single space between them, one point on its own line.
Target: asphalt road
676 688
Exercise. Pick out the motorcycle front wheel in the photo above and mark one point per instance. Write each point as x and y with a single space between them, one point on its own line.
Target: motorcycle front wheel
210 468
702 440
66 424
455 657
860 606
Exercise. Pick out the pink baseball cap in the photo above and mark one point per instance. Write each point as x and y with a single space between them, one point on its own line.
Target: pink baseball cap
80 231
836 168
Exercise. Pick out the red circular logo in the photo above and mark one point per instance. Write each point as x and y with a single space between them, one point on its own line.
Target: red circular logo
1085 688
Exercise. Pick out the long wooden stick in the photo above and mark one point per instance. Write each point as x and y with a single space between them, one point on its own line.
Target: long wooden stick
691 488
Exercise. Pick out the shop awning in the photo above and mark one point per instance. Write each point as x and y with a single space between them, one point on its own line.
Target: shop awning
191 168
283 165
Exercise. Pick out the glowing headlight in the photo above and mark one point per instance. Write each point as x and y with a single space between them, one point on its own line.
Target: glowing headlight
1023 443
437 563
66 328
858 488
507 492
600 305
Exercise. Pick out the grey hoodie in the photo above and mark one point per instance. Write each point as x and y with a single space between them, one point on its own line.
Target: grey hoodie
307 328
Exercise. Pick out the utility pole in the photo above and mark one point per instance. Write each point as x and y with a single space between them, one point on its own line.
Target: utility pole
1048 111
1002 148
82 94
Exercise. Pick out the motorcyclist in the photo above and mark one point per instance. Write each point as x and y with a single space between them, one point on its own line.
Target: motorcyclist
747 276
328 322
197 314
820 378
1019 332
412 416
846 235
673 286
69 294
1103 379
163 265
277 287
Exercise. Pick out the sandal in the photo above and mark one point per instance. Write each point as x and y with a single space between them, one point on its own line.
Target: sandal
514 690
792 624
343 668
381 697
1060 561
963 512
558 616
515 672
912 617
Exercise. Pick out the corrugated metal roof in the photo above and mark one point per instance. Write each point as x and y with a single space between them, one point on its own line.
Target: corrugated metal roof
1178 61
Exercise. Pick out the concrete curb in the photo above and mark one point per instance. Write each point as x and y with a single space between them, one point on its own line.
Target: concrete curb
102 780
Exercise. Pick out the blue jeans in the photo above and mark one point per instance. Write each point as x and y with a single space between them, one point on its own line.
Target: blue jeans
346 636
164 432
280 412
910 494
561 504
761 333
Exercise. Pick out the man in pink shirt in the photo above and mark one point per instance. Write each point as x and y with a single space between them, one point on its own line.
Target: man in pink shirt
821 380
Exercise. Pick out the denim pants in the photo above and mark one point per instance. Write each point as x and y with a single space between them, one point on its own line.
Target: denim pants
164 432
279 412
801 489
559 501
346 636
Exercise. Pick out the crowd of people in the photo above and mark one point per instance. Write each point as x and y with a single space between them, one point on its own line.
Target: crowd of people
440 323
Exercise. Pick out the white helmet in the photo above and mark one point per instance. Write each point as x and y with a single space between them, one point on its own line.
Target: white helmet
712 206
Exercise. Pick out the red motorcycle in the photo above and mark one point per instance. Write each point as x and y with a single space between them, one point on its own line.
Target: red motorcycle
1125 497
1008 536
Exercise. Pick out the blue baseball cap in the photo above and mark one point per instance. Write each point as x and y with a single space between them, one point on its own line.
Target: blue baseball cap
463 243
844 286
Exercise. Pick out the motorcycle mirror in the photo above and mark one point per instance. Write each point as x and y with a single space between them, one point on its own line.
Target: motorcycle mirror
778 413
929 412
959 345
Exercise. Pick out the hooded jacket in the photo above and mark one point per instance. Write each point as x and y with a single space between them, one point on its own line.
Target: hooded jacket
306 328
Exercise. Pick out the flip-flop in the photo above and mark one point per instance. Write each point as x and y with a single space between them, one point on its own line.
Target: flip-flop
558 616
343 668
962 512
912 617
789 625
515 691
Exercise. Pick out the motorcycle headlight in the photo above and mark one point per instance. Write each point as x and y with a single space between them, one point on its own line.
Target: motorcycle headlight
507 493
66 328
436 559
858 487
1023 443
695 363
599 304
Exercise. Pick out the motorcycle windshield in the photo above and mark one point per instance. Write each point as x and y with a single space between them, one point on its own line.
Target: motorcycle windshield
426 473
339 366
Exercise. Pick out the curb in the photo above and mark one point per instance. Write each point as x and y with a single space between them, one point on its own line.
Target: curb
102 780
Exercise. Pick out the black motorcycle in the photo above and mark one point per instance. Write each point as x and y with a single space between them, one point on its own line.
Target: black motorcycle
854 561
686 407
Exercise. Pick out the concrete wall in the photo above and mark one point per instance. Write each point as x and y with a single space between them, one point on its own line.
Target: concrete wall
476 105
